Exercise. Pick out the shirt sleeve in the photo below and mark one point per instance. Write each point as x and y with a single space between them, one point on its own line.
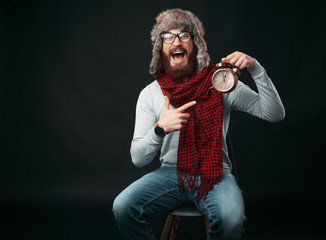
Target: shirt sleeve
266 104
145 144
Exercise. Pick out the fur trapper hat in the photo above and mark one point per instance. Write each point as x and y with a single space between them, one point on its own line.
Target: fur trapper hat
178 19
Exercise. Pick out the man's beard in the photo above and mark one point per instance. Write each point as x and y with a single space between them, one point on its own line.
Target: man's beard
180 72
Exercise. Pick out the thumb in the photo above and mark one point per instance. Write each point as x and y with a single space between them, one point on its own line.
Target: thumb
225 59
167 103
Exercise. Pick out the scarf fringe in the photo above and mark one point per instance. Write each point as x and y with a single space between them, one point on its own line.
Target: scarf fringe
189 182
205 186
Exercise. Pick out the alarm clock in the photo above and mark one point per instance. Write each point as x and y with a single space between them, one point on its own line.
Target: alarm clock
225 78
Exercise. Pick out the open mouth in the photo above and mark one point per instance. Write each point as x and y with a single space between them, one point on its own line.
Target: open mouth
178 56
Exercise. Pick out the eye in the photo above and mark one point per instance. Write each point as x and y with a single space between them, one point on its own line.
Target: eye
168 36
184 35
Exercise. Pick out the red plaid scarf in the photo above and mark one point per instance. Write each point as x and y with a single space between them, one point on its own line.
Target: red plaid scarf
200 142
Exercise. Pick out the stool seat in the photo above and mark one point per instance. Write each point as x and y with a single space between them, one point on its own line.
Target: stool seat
186 211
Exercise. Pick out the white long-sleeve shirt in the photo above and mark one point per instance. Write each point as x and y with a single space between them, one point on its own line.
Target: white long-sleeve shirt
266 104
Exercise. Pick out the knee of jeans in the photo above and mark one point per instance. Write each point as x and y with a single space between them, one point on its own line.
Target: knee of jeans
122 207
227 223
234 223
233 226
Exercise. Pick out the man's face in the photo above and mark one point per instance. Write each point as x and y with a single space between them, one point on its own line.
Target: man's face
178 57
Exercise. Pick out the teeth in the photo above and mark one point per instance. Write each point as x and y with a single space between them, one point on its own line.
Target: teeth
177 52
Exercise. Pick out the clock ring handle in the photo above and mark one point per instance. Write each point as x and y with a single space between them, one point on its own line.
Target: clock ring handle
227 64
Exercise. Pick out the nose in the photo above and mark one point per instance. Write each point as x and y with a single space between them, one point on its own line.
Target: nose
177 41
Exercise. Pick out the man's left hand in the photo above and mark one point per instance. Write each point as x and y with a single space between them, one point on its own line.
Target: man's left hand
240 60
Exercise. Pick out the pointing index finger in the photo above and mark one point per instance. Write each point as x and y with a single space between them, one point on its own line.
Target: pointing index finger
186 106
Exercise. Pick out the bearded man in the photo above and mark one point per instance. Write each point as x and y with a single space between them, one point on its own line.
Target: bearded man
183 117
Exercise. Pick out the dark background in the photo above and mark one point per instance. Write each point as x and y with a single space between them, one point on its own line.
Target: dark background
72 72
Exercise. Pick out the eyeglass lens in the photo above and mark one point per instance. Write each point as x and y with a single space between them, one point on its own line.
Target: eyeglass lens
170 37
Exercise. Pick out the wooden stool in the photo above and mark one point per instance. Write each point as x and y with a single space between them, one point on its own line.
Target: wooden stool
172 221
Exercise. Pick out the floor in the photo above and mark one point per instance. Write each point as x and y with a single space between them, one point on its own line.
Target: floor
97 222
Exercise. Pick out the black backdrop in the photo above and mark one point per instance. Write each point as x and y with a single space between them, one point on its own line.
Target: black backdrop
72 72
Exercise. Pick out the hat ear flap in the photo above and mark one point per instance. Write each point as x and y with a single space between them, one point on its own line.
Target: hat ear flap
203 58
199 27
156 63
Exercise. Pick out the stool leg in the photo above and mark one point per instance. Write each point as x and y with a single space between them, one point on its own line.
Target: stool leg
175 226
167 227
206 225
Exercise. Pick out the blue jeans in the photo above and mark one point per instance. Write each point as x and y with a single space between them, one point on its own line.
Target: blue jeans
157 193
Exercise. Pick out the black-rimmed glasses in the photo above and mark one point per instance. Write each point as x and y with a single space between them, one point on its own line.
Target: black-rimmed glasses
169 38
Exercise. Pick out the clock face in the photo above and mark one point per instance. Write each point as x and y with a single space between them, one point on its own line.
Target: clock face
223 80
